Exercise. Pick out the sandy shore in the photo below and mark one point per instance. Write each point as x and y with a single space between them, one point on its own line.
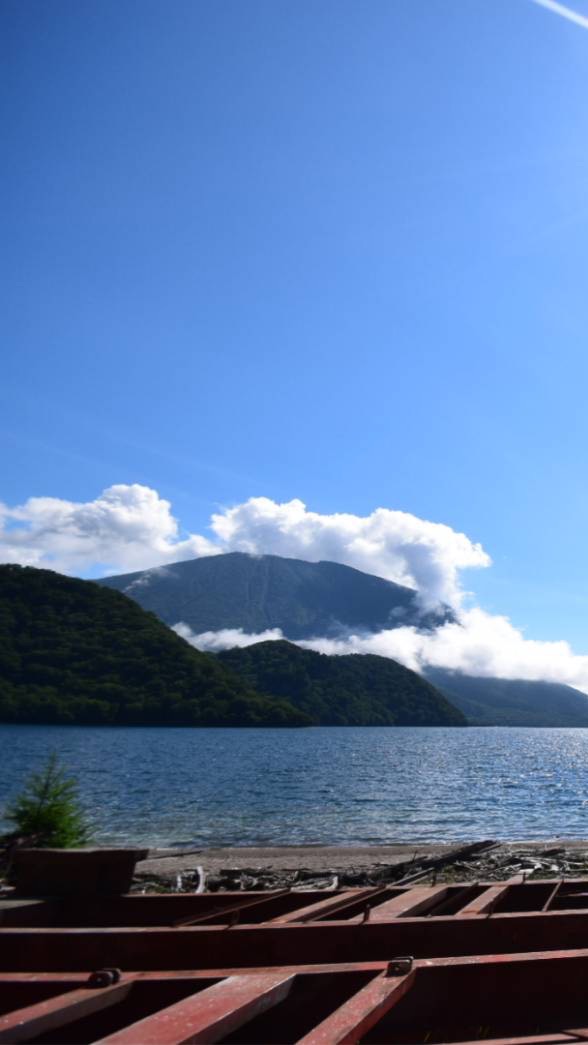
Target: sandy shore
280 858
320 858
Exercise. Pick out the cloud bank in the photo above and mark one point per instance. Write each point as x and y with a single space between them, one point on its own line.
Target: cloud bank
130 527
227 638
480 644
401 547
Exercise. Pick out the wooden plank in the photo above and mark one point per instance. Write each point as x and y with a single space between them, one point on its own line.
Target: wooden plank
431 863
292 944
327 906
555 1038
552 895
208 1016
486 901
54 1013
235 909
412 903
352 1020
75 979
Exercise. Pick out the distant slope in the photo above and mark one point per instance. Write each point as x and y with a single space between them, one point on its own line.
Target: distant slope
72 651
512 702
304 599
353 690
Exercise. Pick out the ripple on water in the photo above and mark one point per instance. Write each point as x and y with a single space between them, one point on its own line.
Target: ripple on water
340 786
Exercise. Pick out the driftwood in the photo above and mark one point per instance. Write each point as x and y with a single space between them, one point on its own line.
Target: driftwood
428 864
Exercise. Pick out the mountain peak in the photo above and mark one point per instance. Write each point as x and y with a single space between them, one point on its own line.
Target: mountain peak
259 592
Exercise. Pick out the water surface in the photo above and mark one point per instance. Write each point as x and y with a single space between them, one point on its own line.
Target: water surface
344 786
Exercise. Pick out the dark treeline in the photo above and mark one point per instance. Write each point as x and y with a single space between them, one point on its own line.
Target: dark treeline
72 651
353 690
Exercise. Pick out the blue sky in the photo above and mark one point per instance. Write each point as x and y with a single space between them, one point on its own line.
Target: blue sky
334 251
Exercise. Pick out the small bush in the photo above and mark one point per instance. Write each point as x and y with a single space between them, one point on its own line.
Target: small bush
48 809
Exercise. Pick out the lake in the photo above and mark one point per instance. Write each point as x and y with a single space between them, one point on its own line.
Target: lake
345 786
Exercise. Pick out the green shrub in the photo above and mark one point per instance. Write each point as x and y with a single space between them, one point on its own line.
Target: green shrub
48 809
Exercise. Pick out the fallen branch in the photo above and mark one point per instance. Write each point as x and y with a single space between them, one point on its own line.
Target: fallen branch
434 862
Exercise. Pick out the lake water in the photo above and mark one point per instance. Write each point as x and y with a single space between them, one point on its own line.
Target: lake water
341 786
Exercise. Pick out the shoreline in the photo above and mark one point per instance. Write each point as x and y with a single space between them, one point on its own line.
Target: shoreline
329 867
324 857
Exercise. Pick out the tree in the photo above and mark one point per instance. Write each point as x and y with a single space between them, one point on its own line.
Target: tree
48 809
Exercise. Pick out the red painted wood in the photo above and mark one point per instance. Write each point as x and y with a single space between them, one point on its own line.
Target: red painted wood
208 1016
22 1025
326 906
414 902
359 1014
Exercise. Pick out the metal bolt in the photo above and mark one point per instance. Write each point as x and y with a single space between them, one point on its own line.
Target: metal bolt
104 977
399 966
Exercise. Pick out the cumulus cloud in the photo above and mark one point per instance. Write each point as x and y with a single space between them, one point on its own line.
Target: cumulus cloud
478 643
128 527
227 638
396 545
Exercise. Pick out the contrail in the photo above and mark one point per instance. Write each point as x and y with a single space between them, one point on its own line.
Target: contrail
565 12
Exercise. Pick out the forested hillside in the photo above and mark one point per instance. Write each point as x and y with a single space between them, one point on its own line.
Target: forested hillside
512 702
72 651
353 690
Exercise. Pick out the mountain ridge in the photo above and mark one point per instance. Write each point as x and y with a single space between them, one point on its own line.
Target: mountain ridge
257 593
352 689
336 601
76 652
488 701
72 651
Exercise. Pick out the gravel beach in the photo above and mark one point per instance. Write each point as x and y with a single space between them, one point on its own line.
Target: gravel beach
328 866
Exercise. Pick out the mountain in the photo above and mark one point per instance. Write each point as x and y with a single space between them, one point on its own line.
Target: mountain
309 600
72 651
304 599
352 690
511 702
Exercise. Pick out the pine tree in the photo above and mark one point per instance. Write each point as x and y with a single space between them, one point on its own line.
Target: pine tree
48 809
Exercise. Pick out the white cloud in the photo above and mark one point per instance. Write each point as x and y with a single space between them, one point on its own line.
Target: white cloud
132 528
396 545
146 577
227 638
564 12
126 528
480 644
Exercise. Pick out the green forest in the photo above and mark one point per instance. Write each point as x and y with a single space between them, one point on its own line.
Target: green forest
76 652
352 690
73 652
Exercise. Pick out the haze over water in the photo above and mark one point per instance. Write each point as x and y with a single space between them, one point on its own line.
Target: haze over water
344 786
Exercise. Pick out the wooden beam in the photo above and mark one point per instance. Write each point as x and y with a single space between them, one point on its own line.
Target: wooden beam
54 1013
412 903
330 905
486 901
352 1020
208 1016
